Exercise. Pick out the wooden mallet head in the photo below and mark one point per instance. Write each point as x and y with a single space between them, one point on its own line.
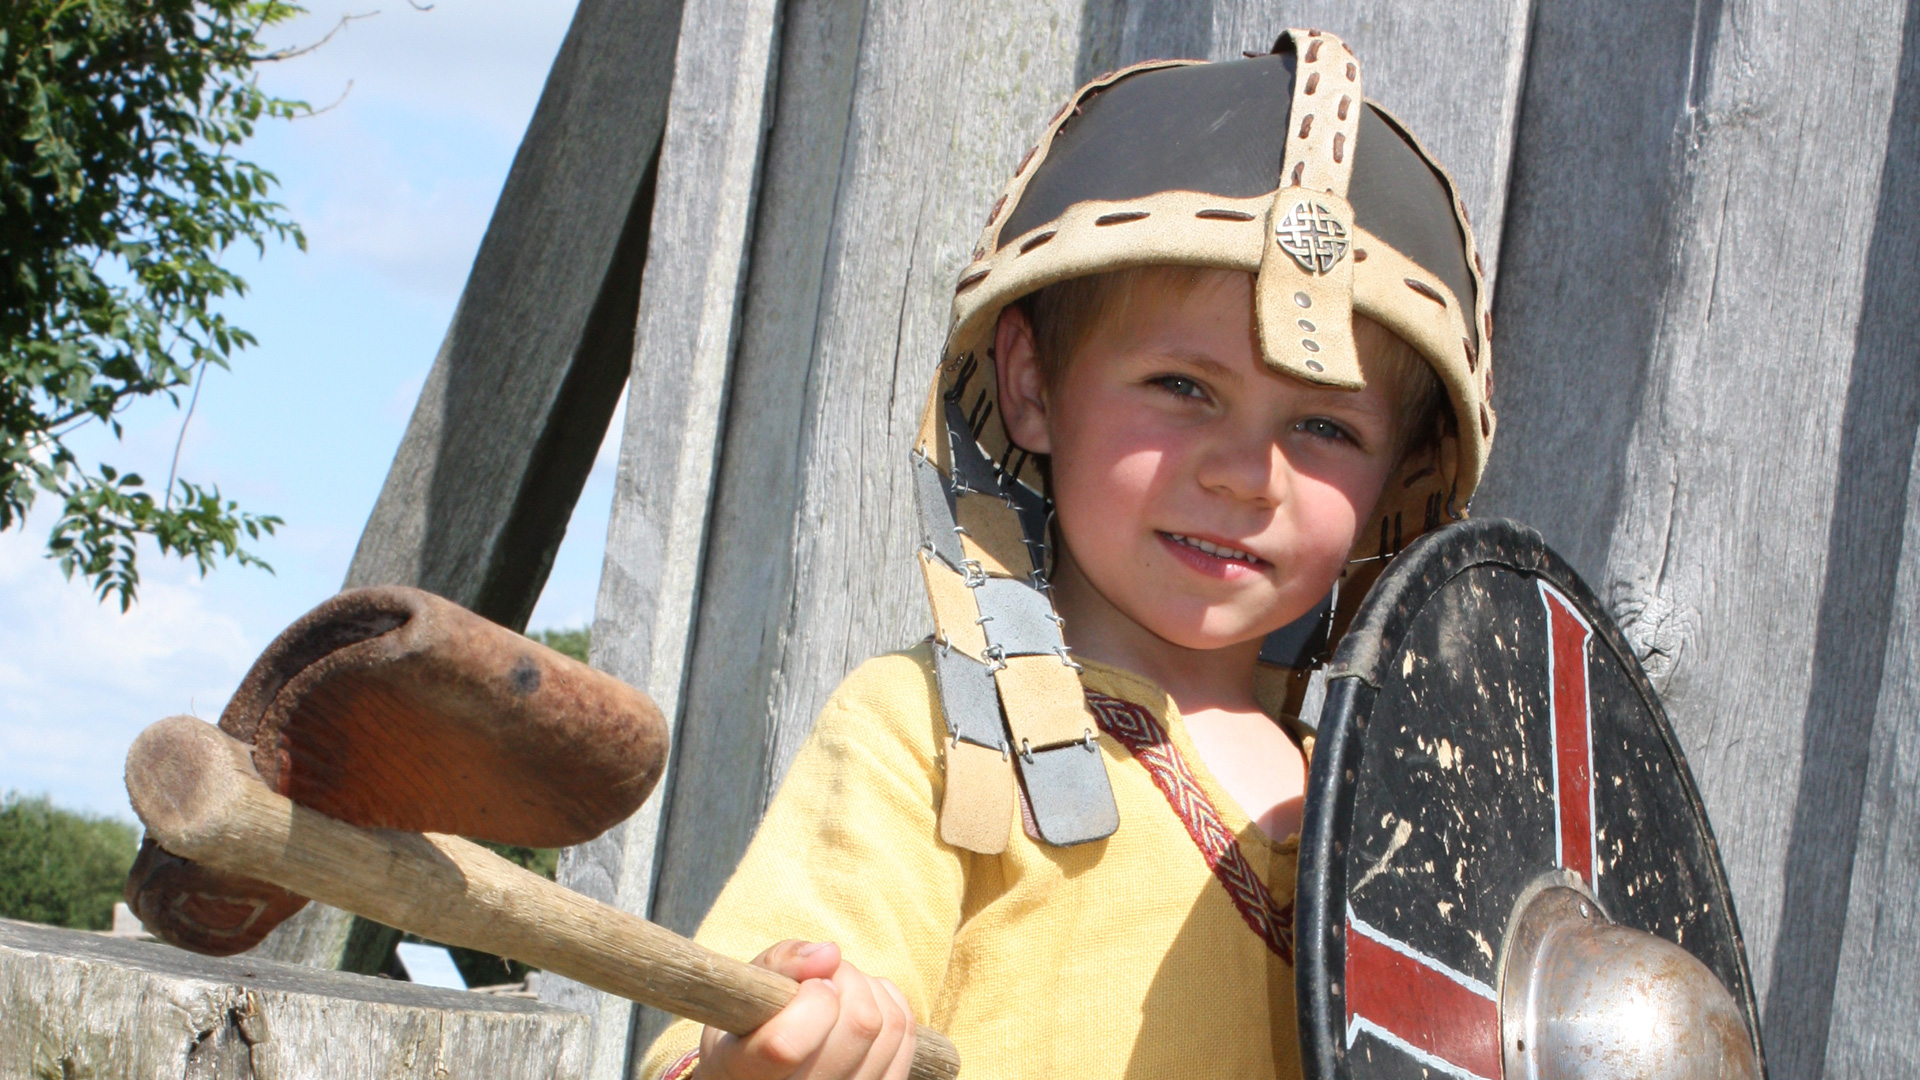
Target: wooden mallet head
393 708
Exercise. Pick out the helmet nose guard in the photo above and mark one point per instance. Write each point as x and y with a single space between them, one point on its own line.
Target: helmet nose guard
1275 166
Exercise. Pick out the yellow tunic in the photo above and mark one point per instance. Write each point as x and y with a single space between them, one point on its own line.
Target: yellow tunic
1127 957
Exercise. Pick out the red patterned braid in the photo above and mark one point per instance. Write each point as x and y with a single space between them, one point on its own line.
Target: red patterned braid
1142 735
679 1069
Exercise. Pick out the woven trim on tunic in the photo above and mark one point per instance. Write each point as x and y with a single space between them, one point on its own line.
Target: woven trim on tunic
679 1069
1143 736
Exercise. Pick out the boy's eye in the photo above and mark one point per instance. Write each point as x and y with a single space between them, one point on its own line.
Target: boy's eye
1180 386
1322 428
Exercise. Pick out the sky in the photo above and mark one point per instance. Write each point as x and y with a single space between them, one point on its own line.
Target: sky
394 184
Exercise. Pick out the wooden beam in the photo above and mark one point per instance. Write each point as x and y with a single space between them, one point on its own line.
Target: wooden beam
1707 383
80 1004
683 352
530 371
519 397
1875 1029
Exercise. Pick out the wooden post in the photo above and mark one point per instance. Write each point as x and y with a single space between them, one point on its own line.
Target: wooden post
1709 390
689 312
80 1004
528 377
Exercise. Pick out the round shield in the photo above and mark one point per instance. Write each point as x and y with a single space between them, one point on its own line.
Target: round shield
1491 759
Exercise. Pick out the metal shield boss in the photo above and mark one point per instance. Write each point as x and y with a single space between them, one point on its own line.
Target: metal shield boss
1505 869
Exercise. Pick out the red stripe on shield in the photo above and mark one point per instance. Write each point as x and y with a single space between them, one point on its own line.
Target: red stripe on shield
1440 1017
1568 635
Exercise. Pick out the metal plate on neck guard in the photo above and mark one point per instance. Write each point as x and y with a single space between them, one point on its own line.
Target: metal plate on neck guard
1505 868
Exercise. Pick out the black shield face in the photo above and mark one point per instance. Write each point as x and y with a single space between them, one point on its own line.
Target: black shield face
1486 732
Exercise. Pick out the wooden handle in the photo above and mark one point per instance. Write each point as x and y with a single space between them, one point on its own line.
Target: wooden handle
195 788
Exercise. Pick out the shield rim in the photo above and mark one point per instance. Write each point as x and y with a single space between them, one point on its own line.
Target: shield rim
1354 676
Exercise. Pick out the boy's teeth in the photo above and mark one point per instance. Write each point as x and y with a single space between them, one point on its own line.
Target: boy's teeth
1215 550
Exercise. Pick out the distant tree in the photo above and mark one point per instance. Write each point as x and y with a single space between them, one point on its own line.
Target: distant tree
572 643
119 195
60 867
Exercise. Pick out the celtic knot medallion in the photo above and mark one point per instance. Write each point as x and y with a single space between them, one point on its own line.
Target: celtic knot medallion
1313 236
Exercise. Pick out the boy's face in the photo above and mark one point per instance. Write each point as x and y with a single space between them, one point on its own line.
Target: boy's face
1204 496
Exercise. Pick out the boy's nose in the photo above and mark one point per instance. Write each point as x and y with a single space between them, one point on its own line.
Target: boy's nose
1246 470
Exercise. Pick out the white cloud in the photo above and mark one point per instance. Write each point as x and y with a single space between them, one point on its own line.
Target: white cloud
79 679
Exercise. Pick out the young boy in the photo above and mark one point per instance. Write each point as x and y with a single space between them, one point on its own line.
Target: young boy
1181 401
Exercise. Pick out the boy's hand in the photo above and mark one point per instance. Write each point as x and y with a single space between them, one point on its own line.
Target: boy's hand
843 1024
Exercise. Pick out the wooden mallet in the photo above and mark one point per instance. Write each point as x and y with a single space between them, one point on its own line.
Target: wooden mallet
393 708
209 809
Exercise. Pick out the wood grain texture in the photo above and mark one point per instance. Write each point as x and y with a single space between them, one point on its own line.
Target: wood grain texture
1708 381
722 748
520 394
74 1004
1875 1030
683 350
1875 1025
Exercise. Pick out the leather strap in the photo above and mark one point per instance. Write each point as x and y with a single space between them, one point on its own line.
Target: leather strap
1305 291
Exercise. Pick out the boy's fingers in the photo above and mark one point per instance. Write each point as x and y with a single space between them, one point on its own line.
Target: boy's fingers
784 1045
801 960
858 1032
902 1062
896 1026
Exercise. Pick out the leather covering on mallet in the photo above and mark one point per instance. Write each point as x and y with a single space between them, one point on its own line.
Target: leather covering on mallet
393 708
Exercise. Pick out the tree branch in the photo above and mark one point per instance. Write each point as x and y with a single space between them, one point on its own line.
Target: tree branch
292 51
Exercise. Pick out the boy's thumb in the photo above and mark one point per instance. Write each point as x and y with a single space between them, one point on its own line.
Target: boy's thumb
802 960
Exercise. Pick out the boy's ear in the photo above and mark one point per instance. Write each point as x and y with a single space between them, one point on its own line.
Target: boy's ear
1022 384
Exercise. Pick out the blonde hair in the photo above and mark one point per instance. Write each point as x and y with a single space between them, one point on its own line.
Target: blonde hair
1064 314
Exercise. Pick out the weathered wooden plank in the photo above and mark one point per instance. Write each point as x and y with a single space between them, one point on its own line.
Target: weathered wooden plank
1587 256
1875 1030
1875 1026
721 754
519 397
75 1004
683 349
1701 409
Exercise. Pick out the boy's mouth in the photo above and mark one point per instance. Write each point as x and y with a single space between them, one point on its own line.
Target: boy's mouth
1218 551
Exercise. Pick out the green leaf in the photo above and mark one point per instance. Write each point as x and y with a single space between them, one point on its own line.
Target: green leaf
119 197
